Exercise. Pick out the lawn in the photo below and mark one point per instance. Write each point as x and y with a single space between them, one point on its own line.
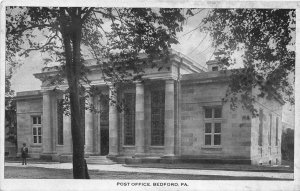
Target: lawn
44 173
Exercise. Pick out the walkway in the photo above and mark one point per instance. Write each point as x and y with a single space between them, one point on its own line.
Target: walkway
121 168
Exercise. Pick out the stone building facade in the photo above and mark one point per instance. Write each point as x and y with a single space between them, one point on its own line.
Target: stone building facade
175 114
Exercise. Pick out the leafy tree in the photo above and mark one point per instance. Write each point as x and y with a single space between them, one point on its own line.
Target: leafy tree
266 39
114 37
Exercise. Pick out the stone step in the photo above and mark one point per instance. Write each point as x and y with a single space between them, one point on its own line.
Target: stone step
98 160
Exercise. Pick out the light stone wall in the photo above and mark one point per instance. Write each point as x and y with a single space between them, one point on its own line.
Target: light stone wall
266 154
236 125
26 108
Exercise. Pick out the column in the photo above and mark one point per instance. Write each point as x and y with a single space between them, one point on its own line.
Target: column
47 123
169 118
139 120
89 126
67 135
97 126
113 125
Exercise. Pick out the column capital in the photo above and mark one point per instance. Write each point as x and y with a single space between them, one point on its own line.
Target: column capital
169 81
46 92
139 83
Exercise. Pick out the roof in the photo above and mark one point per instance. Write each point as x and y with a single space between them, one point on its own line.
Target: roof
29 94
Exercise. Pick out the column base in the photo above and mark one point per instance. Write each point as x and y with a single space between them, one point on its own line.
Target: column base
113 155
168 156
169 159
47 156
138 155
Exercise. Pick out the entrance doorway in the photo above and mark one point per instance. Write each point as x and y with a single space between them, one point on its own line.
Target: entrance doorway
104 145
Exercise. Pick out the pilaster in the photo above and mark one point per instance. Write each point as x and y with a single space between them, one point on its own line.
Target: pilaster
139 120
169 118
47 138
113 125
89 127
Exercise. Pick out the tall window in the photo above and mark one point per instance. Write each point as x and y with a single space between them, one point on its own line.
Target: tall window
270 131
157 118
215 68
276 141
60 122
82 114
212 131
37 129
129 119
260 130
104 110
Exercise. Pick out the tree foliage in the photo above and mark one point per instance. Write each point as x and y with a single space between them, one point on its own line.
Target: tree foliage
115 37
266 40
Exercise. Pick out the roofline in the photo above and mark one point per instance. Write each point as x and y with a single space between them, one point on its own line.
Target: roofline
176 56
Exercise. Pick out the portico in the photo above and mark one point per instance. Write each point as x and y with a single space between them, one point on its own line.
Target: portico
130 131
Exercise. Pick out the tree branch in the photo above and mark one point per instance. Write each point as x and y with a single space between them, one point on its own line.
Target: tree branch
32 27
88 12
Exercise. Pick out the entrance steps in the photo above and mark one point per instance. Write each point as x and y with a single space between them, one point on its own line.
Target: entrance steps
97 159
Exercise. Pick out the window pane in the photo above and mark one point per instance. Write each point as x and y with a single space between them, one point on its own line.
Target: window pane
207 139
39 131
217 127
40 139
217 139
34 120
218 112
129 119
207 127
215 68
157 117
208 112
34 139
34 131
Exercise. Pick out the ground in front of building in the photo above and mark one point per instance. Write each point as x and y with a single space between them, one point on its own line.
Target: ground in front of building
44 173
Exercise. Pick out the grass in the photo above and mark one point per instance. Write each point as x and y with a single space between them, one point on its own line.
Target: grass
44 173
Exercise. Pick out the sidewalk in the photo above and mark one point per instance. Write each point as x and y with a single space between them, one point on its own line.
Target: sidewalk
122 168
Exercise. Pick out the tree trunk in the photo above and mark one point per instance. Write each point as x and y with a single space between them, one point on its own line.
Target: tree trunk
71 35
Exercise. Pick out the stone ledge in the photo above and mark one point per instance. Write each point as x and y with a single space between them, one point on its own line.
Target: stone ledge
177 159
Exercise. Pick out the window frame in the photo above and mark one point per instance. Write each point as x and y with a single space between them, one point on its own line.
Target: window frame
126 132
213 121
60 121
157 132
214 68
270 130
260 141
37 126
276 132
